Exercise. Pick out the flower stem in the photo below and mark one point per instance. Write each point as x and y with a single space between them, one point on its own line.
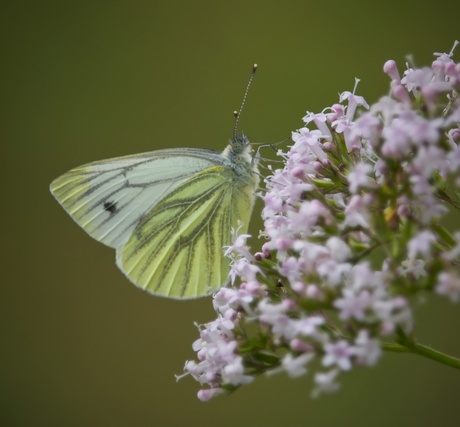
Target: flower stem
424 351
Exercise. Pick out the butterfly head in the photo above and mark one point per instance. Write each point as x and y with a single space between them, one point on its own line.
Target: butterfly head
239 144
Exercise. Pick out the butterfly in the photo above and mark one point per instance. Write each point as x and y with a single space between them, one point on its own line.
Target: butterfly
167 213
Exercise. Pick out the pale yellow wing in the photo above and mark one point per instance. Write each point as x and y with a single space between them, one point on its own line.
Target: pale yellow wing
177 249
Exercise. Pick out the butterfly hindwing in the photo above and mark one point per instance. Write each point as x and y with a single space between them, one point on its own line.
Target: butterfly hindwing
177 248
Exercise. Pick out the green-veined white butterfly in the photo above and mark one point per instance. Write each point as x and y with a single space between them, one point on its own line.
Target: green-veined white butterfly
168 213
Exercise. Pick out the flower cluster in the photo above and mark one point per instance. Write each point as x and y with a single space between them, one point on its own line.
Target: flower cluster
352 230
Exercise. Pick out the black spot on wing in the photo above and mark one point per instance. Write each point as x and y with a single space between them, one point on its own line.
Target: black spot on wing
111 207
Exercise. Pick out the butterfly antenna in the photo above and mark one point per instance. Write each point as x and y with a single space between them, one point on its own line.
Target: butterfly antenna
237 114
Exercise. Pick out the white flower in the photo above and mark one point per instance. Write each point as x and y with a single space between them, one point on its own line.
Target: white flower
325 382
359 177
448 285
339 354
207 394
353 305
296 366
233 373
421 244
415 267
367 350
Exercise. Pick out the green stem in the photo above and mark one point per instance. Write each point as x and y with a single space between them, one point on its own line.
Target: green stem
445 234
444 196
424 351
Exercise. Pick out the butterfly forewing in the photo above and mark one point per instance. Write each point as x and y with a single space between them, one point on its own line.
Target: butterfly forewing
177 248
109 198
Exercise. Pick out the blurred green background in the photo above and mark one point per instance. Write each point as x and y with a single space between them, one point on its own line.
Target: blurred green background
88 80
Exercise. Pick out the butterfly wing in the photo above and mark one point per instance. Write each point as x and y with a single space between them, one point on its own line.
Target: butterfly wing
109 198
177 249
